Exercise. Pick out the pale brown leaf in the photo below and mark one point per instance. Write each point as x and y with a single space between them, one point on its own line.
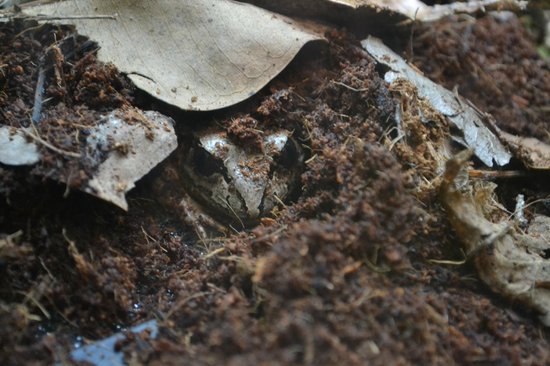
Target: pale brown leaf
534 153
196 55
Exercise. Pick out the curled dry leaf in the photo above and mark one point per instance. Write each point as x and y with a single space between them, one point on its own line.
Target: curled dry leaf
196 55
471 123
512 263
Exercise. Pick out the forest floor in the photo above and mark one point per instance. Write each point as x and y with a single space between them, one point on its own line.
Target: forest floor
360 267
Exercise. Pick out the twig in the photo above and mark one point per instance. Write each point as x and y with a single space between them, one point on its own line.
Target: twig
39 94
42 18
234 213
348 87
496 174
50 146
449 262
71 17
213 253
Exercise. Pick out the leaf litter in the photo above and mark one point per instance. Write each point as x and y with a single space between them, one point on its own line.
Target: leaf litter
78 126
474 131
511 262
384 13
342 273
190 54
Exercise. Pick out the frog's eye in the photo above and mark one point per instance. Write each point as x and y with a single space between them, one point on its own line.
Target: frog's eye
289 157
205 163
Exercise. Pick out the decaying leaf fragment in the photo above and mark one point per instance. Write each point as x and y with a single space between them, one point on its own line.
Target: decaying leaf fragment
15 149
475 134
420 11
141 141
196 55
512 263
134 142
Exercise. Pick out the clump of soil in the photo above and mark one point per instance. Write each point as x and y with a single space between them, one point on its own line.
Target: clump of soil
342 274
245 131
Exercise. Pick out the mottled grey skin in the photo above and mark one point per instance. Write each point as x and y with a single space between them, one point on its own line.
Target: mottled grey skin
230 184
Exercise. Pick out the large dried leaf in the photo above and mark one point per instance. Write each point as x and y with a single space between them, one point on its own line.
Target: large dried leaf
197 55
471 123
510 262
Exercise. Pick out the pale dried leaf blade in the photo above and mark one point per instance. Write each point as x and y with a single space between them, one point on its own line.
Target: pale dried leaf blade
510 262
146 142
196 55
476 134
15 149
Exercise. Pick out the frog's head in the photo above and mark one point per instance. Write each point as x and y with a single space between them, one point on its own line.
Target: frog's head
237 185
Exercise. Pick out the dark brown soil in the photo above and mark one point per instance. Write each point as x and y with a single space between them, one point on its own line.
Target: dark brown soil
493 63
341 274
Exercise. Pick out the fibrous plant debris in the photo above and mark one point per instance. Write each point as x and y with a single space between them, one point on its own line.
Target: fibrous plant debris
511 262
470 122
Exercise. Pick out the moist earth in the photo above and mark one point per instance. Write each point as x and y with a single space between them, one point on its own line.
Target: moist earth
357 268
